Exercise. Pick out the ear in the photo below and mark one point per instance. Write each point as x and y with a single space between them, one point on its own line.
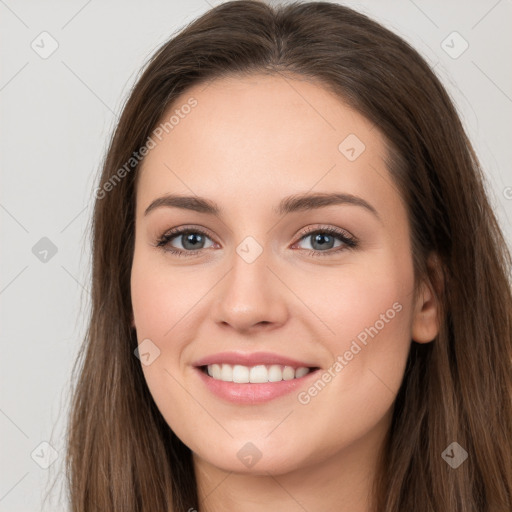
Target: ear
426 321
132 321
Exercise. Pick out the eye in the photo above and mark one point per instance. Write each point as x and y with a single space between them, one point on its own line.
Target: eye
191 240
323 239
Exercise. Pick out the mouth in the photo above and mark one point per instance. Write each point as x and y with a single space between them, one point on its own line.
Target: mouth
258 374
249 379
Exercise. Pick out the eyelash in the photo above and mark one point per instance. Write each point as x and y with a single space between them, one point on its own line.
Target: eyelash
349 241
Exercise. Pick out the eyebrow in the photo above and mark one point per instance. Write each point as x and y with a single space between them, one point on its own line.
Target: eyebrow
294 203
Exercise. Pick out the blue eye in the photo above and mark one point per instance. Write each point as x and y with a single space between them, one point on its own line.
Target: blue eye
322 240
193 241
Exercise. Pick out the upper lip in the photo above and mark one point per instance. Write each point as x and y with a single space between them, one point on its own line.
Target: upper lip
251 359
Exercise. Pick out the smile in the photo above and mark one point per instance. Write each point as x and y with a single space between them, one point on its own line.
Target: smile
252 378
258 374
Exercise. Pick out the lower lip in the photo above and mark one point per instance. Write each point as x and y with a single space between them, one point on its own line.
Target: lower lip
252 393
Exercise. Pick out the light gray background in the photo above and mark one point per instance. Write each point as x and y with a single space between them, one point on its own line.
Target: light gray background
56 116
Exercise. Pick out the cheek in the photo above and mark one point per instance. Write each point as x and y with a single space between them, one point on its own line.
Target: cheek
373 309
367 312
355 301
159 312
370 314
160 307
160 298
153 304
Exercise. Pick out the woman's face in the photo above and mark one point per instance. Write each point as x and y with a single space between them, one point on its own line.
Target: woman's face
306 263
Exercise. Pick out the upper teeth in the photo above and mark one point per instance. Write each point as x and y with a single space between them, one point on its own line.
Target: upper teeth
257 374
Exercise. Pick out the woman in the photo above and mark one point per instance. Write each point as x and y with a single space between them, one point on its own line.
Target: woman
227 365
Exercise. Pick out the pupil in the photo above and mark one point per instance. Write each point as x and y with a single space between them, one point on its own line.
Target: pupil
323 240
192 238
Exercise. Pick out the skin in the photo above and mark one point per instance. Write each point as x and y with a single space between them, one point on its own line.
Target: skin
247 144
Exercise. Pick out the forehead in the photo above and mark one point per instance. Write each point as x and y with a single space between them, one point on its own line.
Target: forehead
263 137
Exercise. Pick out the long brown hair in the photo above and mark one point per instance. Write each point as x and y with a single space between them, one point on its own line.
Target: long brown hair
123 456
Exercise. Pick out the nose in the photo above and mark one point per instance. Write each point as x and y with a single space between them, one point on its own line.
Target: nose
251 297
